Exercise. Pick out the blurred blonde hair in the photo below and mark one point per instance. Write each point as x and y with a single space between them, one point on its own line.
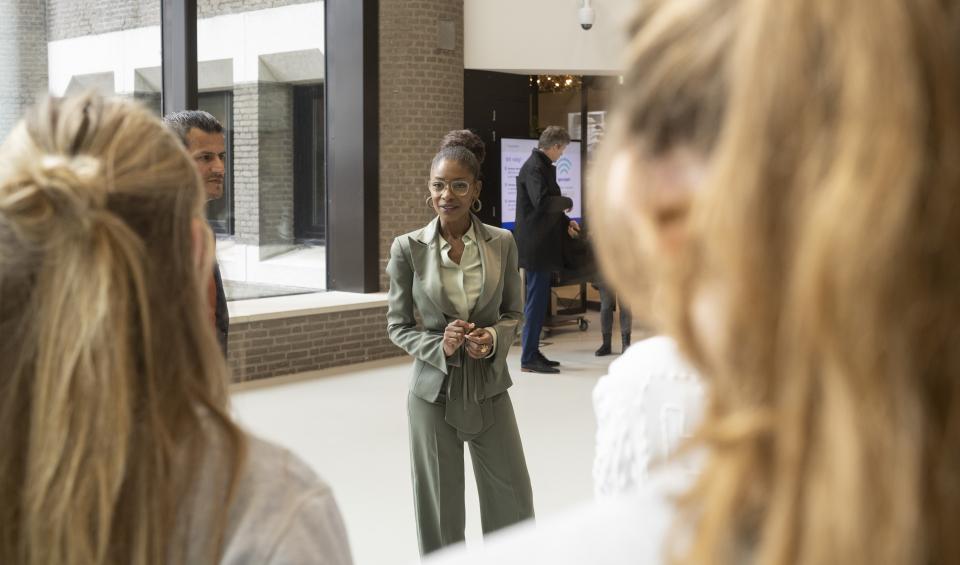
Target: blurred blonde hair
830 222
673 97
112 378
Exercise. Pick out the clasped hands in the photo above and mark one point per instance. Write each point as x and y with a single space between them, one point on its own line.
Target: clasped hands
477 341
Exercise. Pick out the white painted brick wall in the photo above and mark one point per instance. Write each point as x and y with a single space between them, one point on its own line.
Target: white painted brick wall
23 58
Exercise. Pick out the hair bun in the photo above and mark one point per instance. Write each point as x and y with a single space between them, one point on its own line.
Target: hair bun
77 178
73 185
57 195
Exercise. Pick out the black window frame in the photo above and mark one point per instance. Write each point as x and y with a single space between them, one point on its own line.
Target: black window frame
352 133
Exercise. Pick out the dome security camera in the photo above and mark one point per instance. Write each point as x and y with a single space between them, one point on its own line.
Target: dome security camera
586 15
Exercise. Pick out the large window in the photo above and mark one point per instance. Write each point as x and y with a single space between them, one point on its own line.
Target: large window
70 46
261 73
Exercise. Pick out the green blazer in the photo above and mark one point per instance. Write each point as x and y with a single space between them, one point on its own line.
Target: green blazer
414 271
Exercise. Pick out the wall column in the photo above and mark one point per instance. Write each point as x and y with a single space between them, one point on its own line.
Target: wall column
23 59
421 100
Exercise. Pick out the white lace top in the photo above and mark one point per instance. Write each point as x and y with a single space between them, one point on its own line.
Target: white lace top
650 400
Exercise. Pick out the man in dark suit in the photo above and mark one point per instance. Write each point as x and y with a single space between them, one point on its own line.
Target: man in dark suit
541 222
202 135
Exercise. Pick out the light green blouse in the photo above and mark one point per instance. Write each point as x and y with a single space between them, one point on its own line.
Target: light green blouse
462 283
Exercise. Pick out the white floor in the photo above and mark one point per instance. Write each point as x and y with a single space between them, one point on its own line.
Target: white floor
350 425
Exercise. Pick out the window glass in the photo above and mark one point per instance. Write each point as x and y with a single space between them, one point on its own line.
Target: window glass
261 73
64 47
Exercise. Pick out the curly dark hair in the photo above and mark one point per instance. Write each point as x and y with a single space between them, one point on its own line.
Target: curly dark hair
465 138
459 154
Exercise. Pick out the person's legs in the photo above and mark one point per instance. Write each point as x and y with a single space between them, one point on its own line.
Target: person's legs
534 314
626 326
503 482
436 457
607 300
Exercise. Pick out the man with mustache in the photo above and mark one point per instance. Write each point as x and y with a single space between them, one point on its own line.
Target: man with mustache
202 135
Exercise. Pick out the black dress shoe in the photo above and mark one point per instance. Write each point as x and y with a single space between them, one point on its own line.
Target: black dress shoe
538 366
548 362
603 351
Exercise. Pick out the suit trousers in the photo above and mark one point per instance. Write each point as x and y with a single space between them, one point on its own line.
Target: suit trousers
608 301
534 313
436 455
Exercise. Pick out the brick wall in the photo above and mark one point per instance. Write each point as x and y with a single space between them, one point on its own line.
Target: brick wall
210 8
421 98
263 166
246 163
76 18
23 58
271 348
276 168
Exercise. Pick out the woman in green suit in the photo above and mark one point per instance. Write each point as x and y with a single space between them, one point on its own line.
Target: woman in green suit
461 275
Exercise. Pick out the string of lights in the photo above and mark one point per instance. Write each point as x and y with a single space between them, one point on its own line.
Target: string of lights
556 83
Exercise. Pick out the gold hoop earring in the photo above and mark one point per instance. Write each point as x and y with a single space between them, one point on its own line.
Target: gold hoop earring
476 206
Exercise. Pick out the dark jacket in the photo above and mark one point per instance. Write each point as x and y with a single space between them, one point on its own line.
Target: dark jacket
222 317
541 222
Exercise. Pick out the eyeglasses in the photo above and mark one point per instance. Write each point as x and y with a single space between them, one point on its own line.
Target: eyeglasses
458 187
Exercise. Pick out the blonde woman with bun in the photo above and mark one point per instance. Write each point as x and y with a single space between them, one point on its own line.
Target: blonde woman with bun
651 400
116 446
812 277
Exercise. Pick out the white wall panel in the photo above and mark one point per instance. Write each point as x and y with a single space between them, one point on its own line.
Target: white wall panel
544 36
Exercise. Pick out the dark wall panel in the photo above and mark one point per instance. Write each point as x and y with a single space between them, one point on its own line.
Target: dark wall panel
352 149
495 105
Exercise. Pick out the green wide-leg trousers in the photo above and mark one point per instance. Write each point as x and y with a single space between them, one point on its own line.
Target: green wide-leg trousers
436 454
